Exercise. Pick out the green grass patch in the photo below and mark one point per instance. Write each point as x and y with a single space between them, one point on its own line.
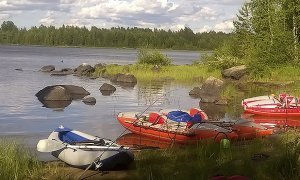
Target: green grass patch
181 74
280 74
203 161
17 163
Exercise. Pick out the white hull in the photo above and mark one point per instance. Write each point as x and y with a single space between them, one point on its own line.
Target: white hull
108 154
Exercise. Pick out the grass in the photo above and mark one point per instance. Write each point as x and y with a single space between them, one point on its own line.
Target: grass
280 74
17 162
243 158
181 74
276 157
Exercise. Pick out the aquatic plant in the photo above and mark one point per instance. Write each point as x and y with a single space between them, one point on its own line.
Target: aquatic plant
153 57
145 72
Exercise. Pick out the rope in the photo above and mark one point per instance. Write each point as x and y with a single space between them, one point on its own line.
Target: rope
99 157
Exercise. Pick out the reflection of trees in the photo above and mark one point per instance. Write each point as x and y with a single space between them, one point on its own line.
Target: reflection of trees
149 92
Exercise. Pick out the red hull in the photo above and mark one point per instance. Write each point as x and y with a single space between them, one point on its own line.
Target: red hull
279 112
191 136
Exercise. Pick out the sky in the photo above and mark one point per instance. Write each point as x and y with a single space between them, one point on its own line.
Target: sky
199 15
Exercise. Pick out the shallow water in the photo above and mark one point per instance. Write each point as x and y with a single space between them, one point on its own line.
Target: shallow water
22 116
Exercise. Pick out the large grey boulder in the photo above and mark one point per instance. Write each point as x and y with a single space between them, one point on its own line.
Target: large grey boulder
212 86
235 72
210 90
47 68
84 70
54 93
61 93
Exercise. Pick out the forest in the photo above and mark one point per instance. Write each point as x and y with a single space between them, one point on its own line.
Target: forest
266 36
118 37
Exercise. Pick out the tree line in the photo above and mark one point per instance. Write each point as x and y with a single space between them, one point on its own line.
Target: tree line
114 37
266 35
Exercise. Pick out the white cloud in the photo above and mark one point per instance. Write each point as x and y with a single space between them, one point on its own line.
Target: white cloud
205 29
49 19
199 15
225 26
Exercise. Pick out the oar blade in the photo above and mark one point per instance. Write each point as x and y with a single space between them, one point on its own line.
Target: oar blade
47 145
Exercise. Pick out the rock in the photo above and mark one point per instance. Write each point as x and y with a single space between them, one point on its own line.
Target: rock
84 70
63 72
107 87
89 100
208 99
61 93
221 102
127 78
209 91
212 86
76 92
195 92
234 72
47 68
113 78
54 93
99 66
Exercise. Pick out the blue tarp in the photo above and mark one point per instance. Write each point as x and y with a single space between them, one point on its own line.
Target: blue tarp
180 116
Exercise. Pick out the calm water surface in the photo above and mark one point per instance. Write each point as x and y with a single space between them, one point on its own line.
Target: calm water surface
23 116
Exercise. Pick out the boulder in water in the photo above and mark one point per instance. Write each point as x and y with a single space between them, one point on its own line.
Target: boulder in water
89 100
47 68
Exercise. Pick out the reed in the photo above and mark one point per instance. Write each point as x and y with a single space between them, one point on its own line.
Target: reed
17 163
182 74
274 158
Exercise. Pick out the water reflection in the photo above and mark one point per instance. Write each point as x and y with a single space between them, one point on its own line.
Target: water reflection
274 121
56 104
141 142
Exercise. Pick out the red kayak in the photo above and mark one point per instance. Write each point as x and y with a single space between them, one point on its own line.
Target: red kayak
157 125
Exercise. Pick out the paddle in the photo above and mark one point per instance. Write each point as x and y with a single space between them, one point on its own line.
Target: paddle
47 145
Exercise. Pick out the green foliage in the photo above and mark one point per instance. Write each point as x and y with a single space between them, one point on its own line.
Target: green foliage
152 57
183 74
221 62
17 163
266 35
118 37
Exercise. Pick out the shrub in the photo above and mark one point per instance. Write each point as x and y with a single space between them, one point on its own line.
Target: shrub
152 57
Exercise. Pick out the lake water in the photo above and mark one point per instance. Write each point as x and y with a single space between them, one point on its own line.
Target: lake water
23 116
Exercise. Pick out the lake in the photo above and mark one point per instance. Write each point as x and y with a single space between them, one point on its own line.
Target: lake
23 116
